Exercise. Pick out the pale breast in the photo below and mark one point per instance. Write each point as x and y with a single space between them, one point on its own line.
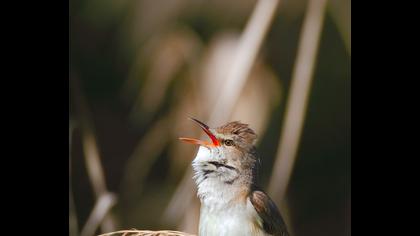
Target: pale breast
238 220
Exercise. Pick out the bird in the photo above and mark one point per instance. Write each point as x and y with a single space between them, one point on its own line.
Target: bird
226 175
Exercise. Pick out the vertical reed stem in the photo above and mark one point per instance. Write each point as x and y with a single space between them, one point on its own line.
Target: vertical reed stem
298 98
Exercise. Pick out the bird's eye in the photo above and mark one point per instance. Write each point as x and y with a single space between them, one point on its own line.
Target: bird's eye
228 142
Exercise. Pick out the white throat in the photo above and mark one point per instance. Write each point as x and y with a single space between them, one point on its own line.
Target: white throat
212 189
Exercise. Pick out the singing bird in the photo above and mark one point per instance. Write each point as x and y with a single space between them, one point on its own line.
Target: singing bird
226 170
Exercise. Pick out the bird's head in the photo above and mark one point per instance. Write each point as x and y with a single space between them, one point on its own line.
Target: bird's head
230 155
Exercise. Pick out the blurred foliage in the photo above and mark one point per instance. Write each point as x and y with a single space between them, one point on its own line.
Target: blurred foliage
144 66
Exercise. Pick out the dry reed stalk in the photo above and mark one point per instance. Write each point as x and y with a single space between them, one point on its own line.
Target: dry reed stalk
298 98
103 205
92 160
73 226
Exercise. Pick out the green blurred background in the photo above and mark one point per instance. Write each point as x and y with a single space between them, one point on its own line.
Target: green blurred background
138 69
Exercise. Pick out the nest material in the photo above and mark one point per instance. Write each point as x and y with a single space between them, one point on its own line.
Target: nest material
147 233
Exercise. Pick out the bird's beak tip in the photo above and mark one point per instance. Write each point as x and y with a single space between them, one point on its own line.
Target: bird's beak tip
206 129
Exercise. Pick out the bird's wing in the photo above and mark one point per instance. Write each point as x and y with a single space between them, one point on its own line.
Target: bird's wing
272 221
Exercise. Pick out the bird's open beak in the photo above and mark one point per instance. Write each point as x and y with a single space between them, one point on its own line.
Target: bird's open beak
214 142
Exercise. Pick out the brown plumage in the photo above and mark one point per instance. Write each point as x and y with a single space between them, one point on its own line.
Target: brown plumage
134 232
272 221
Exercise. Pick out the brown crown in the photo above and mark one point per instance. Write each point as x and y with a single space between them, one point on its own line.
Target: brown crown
240 130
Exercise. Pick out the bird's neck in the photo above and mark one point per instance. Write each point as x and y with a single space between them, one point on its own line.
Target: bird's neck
217 195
